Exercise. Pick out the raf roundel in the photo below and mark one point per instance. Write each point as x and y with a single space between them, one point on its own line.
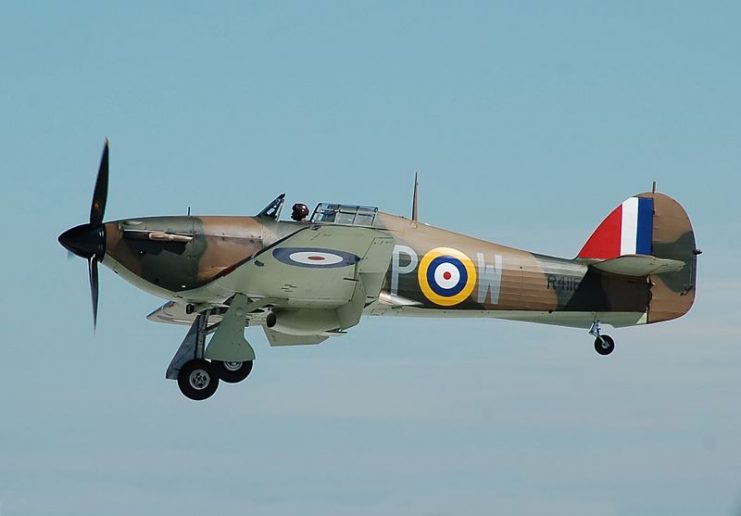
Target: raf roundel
446 276
314 257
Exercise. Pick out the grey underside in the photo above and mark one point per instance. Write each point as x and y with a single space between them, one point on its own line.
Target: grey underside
174 313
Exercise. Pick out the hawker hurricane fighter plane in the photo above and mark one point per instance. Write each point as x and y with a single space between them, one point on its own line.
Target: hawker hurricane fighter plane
310 278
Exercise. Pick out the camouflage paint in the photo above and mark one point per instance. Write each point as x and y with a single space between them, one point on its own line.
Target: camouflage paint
512 279
502 279
672 294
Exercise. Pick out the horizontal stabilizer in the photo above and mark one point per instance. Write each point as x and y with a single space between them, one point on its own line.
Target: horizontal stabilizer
638 265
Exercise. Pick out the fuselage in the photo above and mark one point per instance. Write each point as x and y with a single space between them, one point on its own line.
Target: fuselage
432 271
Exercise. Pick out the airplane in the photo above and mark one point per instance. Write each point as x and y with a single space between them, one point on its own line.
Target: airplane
306 279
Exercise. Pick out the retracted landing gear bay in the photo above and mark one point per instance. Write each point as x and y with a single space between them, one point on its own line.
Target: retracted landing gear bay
603 344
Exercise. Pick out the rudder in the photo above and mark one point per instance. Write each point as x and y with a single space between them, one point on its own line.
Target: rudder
672 293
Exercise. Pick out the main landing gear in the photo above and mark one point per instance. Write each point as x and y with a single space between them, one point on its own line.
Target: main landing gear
198 379
229 356
232 372
603 344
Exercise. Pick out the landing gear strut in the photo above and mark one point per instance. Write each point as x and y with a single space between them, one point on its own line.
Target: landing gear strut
603 344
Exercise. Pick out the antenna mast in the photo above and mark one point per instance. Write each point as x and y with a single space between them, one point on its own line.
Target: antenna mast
414 199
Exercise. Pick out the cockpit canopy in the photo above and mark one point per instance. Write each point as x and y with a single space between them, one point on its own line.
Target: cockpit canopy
326 213
344 214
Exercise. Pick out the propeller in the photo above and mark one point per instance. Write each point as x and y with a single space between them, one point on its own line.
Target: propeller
88 240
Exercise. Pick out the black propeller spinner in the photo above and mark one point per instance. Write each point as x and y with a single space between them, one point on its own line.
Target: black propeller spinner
88 240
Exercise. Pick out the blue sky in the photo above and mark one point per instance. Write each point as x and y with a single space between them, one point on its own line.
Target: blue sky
528 122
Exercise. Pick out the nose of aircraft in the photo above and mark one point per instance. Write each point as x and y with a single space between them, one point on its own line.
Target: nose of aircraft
85 240
88 240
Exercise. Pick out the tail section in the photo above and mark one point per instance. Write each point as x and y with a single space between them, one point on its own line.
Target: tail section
649 235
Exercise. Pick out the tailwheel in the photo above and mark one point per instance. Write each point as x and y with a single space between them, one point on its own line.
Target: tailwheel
232 372
604 344
198 379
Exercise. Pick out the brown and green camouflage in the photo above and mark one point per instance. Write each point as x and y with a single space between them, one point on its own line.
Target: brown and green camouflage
177 258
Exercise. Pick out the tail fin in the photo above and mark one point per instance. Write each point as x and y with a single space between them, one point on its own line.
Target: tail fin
628 229
651 225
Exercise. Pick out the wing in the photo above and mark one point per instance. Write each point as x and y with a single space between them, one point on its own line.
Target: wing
319 280
172 313
316 282
316 267
282 339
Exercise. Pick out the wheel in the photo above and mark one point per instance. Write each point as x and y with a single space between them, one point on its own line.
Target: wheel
198 380
232 372
604 346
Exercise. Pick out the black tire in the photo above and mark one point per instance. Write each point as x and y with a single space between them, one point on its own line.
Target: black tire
605 346
198 380
230 372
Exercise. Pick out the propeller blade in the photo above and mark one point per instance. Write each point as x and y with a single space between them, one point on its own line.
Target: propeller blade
88 240
92 267
97 210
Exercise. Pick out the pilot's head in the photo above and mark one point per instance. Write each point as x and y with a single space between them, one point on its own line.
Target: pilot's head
300 212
